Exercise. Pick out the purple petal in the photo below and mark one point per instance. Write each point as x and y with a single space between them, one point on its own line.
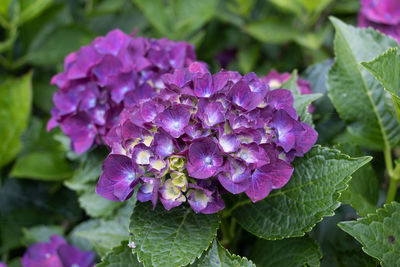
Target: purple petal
228 143
383 11
205 159
173 120
268 177
80 130
149 190
214 113
72 256
253 154
237 179
111 43
86 58
118 178
163 145
170 195
242 95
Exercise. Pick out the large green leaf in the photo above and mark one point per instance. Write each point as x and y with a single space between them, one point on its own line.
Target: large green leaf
272 30
31 9
40 233
301 102
177 19
386 69
171 238
46 166
301 251
52 47
311 194
379 234
363 191
95 205
358 97
217 256
105 234
15 103
120 256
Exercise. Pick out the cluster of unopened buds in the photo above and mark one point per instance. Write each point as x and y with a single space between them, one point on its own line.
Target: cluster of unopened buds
382 15
176 132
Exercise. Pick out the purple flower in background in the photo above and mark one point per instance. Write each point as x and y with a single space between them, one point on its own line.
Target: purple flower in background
276 79
202 135
2 264
56 253
382 15
111 73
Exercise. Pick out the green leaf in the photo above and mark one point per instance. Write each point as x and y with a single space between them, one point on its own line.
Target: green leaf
52 47
301 102
379 234
105 234
31 9
363 191
46 166
15 103
4 7
293 252
179 18
120 256
96 206
357 96
272 30
171 238
217 256
88 172
311 194
386 69
41 233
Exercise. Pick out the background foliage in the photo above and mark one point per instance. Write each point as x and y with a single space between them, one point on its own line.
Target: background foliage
46 188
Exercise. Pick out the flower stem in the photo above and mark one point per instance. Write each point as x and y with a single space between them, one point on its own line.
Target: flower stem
238 204
392 191
391 195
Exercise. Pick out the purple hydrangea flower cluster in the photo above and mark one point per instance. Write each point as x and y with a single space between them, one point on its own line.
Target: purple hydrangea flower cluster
107 75
203 135
275 80
56 253
382 15
2 264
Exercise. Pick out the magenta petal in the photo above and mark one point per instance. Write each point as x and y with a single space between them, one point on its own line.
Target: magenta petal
383 11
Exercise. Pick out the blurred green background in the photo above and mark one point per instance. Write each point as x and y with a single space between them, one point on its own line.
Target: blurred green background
36 35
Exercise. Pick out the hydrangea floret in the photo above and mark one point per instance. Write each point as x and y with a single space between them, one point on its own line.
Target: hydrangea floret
382 15
203 135
107 75
56 253
275 80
